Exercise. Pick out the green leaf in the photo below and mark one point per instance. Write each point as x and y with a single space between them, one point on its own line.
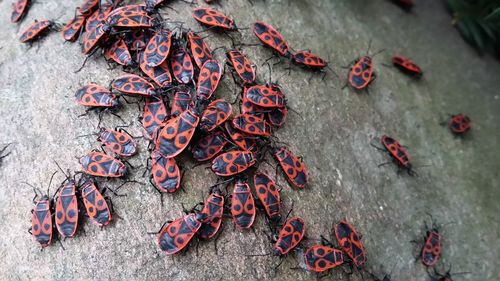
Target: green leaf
493 15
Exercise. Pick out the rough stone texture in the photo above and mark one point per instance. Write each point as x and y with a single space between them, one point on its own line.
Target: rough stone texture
332 132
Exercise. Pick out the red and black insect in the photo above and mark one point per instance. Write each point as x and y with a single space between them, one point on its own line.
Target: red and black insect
295 171
268 194
103 29
135 85
407 66
216 113
213 18
350 242
137 40
98 209
41 220
182 66
199 49
242 140
232 162
72 29
431 249
176 134
166 175
175 236
290 236
88 7
158 48
406 5
160 74
119 53
66 210
242 206
277 116
97 17
154 114
36 30
243 67
248 107
208 79
209 146
308 59
180 103
117 141
320 258
213 208
252 125
361 73
267 96
19 10
98 164
459 124
96 96
398 153
271 38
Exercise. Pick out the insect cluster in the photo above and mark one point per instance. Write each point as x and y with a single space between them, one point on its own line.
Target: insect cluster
174 75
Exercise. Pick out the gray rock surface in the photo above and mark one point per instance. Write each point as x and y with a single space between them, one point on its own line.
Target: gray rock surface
458 182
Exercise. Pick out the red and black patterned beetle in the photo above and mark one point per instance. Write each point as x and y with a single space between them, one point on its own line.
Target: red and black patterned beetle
175 236
232 162
293 167
98 164
88 7
242 140
176 134
213 208
96 96
19 10
207 147
72 29
268 96
119 53
350 243
320 258
180 103
182 66
36 30
118 142
271 38
154 114
166 175
361 73
213 18
97 207
431 249
160 74
216 113
158 48
242 66
277 116
252 125
268 194
290 236
199 49
134 85
407 66
398 153
459 124
67 210
41 220
242 206
308 59
208 79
